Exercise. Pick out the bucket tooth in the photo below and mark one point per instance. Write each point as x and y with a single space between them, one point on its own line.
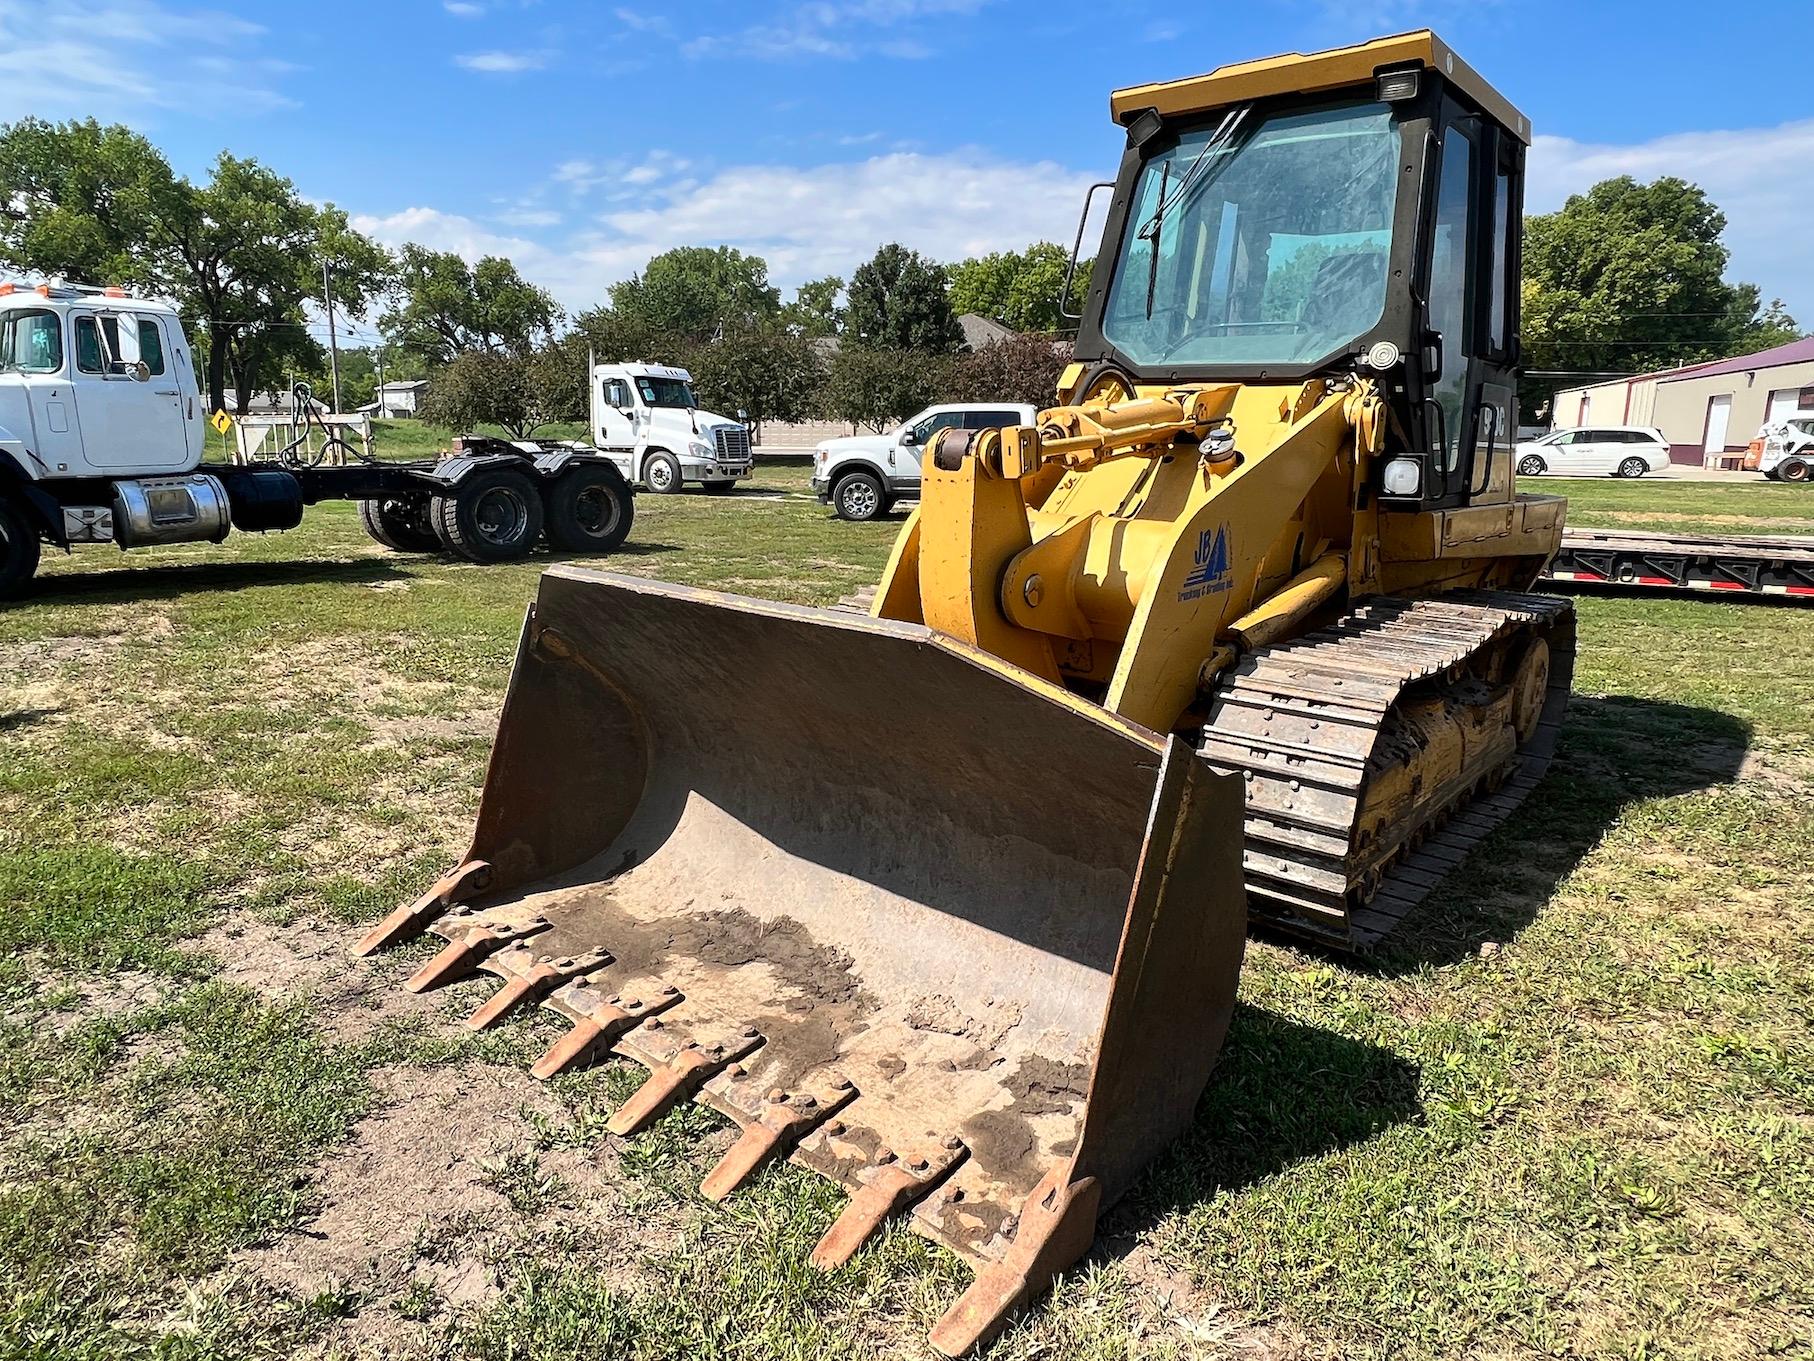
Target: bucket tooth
889 1189
412 919
784 1120
535 983
677 1079
598 1023
462 956
1057 1223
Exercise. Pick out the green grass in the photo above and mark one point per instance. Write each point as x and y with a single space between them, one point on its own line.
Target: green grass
1567 1112
1751 507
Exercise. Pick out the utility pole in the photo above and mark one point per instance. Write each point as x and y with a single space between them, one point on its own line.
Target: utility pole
327 292
378 364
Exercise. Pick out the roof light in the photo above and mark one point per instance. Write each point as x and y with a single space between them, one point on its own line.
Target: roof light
113 292
42 290
1397 86
8 289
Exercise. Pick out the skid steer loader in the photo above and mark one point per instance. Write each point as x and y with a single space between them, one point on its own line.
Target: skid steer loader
948 902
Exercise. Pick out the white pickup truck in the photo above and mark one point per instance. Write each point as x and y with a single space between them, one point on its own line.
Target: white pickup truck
646 419
861 476
102 433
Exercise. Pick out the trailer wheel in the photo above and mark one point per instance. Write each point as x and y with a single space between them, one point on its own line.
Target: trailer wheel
18 548
494 515
1793 470
590 509
661 473
400 522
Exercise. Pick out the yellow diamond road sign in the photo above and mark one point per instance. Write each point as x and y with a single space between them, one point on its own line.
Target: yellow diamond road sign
221 421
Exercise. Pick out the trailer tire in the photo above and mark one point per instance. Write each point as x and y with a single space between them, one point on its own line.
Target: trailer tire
402 523
661 473
493 515
589 509
18 548
1793 470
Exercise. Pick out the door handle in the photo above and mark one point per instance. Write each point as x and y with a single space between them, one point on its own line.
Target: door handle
163 392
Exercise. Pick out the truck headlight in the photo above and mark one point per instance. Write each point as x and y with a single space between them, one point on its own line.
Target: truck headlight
702 450
1403 477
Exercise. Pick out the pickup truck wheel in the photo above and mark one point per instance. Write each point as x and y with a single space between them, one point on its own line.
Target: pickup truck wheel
661 473
18 548
858 496
1531 466
400 522
1633 467
590 509
1793 470
493 515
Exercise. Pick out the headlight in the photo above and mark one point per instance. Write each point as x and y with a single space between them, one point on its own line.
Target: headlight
702 450
1403 477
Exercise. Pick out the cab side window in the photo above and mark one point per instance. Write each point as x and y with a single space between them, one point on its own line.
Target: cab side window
939 420
151 346
32 342
88 347
990 420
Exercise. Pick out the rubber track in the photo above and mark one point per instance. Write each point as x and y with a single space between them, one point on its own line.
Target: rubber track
1299 721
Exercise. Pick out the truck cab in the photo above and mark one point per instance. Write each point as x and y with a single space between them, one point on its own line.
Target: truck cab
648 422
95 384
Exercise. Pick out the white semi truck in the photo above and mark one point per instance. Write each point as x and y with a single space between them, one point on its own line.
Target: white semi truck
102 435
646 419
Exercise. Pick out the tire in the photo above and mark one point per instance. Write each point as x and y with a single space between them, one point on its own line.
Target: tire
1793 470
1531 466
858 496
717 488
589 509
402 523
661 473
18 548
1633 467
494 515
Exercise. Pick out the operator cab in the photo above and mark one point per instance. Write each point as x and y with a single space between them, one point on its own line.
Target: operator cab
1358 210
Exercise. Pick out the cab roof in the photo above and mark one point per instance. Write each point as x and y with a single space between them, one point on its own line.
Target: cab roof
13 294
1299 73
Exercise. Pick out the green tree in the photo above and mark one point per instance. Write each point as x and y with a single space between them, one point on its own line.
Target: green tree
764 371
240 255
695 292
446 306
1021 289
898 300
877 387
1022 368
1629 277
518 390
814 312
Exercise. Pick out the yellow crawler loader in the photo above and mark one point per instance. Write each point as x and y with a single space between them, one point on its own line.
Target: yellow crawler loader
948 901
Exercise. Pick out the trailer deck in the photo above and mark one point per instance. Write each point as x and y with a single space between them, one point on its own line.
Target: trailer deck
1744 565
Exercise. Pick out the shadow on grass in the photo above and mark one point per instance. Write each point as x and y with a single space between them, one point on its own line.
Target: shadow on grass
1281 1092
1616 751
15 719
125 585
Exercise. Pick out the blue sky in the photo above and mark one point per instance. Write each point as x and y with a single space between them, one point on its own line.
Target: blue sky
580 138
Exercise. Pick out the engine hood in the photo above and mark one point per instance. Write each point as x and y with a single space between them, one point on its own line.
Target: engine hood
846 445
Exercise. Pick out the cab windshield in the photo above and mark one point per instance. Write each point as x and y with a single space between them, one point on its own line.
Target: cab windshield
665 392
1259 240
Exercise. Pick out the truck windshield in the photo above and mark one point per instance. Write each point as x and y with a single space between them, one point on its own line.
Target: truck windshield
665 392
1271 246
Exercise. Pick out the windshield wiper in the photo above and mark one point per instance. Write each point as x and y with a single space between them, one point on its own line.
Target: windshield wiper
1194 176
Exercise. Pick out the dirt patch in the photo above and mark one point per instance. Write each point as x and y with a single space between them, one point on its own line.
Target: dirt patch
1042 1086
942 1014
1000 1140
408 1192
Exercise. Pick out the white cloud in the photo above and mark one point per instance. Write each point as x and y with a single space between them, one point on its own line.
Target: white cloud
126 58
1757 176
502 63
838 29
463 9
806 222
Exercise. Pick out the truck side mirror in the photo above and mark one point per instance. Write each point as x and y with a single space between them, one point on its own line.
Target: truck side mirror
908 437
140 371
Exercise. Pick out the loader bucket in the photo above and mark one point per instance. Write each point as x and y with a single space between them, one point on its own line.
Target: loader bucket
943 932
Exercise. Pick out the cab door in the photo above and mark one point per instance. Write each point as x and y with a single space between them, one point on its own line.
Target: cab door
132 416
1470 267
614 420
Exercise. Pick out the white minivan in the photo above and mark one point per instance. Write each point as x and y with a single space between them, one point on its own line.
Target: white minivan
1596 451
862 475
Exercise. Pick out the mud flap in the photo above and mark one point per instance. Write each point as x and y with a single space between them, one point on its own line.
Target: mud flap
942 931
